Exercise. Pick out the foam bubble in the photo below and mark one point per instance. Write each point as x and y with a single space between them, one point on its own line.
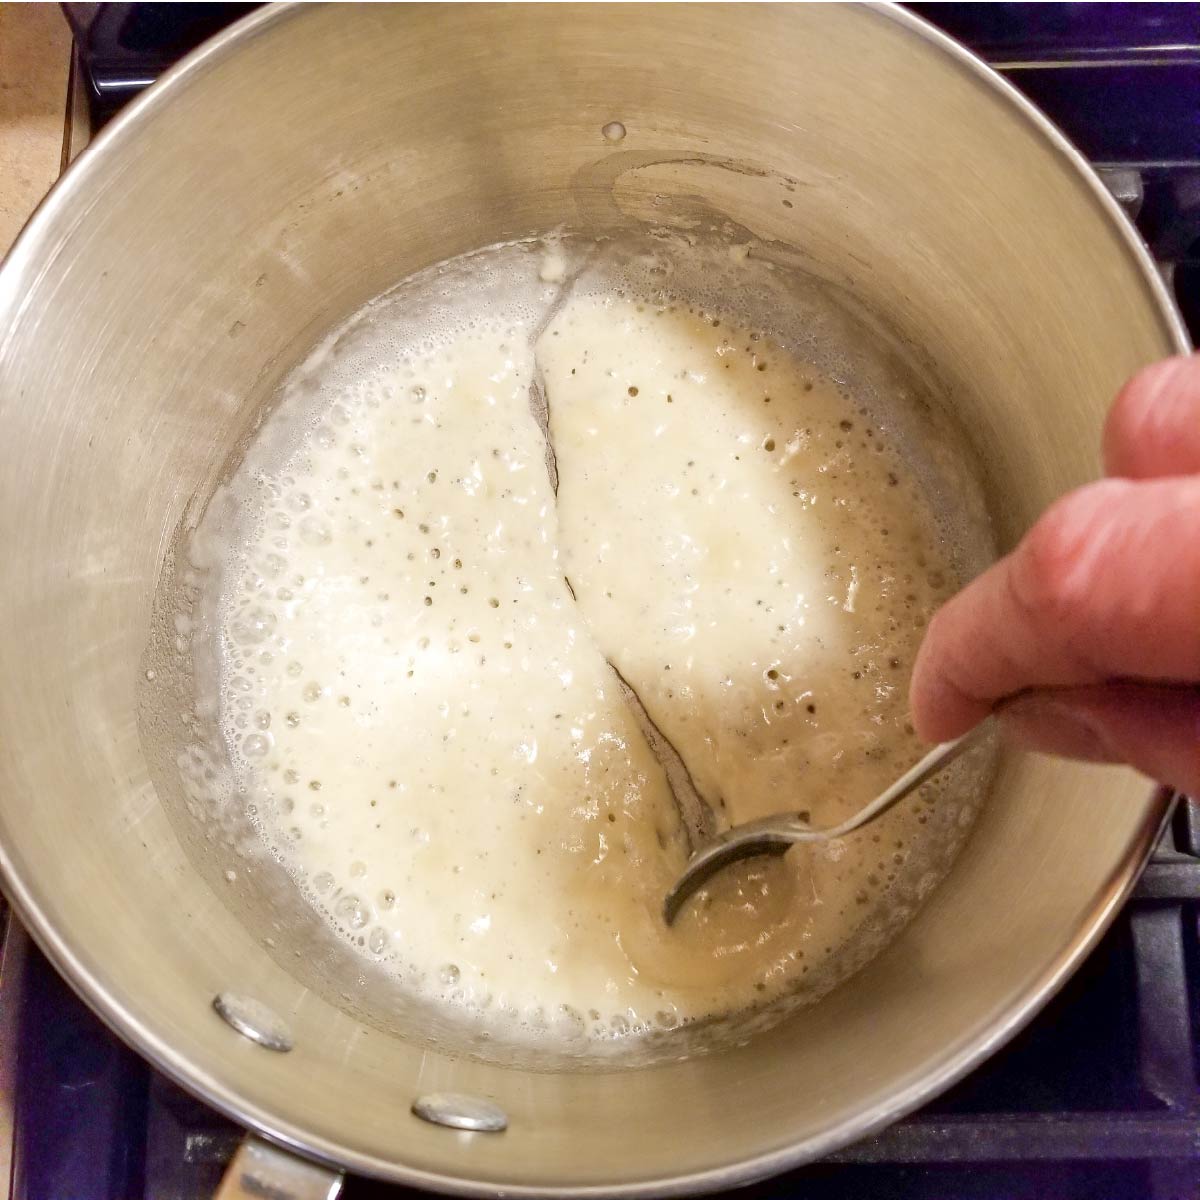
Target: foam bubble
252 626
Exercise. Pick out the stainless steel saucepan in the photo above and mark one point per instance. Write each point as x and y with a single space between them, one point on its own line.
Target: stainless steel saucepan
303 162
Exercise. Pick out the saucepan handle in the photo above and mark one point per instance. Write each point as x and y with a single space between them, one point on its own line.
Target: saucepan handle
260 1170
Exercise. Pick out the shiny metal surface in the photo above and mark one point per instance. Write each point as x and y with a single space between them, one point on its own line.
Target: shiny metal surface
299 165
253 1020
261 1172
778 834
453 1110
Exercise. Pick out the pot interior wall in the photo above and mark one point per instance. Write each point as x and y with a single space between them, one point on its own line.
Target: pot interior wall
255 201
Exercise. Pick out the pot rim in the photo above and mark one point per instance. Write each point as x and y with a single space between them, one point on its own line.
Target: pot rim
19 266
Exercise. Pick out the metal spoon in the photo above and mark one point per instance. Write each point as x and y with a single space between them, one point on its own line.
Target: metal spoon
775 835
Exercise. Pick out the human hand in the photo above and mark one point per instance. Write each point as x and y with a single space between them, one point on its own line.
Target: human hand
1086 638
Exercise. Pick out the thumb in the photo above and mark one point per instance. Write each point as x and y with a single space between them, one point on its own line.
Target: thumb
1153 728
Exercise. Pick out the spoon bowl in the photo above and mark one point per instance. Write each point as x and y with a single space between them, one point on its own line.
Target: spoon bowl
776 835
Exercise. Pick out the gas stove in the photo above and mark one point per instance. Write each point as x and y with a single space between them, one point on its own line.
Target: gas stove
1100 1096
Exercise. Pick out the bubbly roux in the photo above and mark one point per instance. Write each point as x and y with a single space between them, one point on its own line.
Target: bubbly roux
418 636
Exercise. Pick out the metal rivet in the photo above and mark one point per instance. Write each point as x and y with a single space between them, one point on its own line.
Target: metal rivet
457 1111
253 1019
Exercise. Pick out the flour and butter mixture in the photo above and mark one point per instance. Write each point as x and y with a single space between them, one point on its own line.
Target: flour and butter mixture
424 606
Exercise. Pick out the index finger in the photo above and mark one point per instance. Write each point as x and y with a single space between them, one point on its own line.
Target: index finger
1105 586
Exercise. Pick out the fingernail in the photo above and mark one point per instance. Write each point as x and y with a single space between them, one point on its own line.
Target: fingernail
1055 727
